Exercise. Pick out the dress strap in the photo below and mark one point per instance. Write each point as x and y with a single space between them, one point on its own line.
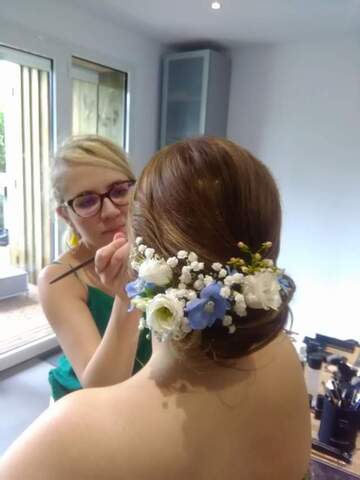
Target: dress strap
75 273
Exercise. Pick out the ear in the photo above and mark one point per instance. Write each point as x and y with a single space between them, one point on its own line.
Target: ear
63 213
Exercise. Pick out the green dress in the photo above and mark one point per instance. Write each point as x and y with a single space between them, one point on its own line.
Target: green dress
63 379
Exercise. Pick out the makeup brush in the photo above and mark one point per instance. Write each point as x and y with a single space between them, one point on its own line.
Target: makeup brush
72 270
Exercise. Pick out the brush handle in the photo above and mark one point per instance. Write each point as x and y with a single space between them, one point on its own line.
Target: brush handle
72 270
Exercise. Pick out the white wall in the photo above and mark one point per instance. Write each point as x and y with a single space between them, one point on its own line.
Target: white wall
58 30
297 107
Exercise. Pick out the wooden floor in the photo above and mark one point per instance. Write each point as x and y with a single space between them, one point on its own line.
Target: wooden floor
22 321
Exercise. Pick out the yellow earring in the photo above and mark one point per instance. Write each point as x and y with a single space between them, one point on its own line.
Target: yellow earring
73 240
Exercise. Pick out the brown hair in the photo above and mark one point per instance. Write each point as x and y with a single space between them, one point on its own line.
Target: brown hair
205 195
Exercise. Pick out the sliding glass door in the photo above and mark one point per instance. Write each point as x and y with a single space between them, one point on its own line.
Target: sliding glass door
25 145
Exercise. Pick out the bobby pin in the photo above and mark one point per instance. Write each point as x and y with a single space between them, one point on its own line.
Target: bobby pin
72 270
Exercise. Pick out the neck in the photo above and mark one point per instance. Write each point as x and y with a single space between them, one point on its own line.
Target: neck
173 369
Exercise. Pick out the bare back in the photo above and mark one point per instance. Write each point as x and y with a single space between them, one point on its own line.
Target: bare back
250 423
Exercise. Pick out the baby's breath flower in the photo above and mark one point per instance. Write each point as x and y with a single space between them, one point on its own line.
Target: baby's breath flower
208 279
216 266
182 254
149 252
198 284
197 266
172 262
193 257
142 248
237 277
222 273
232 329
227 321
191 295
225 292
185 277
138 240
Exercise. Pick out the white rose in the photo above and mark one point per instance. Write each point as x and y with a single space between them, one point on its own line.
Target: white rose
193 257
172 262
155 271
164 315
261 290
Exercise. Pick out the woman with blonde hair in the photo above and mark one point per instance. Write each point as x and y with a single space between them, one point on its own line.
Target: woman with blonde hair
223 395
92 183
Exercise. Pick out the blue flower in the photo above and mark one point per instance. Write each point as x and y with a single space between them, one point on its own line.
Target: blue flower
138 287
284 284
204 311
135 287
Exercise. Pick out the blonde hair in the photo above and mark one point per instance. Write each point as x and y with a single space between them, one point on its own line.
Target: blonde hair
87 150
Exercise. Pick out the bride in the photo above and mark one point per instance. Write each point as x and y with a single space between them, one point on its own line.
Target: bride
223 395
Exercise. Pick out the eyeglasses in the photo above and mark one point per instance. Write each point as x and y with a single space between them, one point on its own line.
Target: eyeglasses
89 204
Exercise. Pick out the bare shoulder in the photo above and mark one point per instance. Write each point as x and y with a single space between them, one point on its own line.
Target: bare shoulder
67 441
69 286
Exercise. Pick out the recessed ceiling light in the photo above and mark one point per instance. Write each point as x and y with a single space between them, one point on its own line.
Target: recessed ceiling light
215 5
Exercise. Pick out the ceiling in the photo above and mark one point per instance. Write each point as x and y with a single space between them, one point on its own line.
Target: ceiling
238 21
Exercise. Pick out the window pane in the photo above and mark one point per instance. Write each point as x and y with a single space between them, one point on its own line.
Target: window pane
84 107
2 143
25 217
99 101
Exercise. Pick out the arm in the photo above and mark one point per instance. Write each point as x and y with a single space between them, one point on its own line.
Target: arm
97 361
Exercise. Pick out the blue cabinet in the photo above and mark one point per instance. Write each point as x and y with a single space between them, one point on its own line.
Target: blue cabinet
195 94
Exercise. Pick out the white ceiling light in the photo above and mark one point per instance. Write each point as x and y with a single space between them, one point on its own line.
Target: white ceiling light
215 5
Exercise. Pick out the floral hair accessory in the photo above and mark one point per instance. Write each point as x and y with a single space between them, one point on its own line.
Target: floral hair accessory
179 294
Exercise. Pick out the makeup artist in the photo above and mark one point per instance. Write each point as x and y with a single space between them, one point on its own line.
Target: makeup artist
92 183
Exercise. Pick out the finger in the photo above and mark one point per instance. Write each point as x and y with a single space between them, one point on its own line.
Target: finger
119 235
118 262
103 255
